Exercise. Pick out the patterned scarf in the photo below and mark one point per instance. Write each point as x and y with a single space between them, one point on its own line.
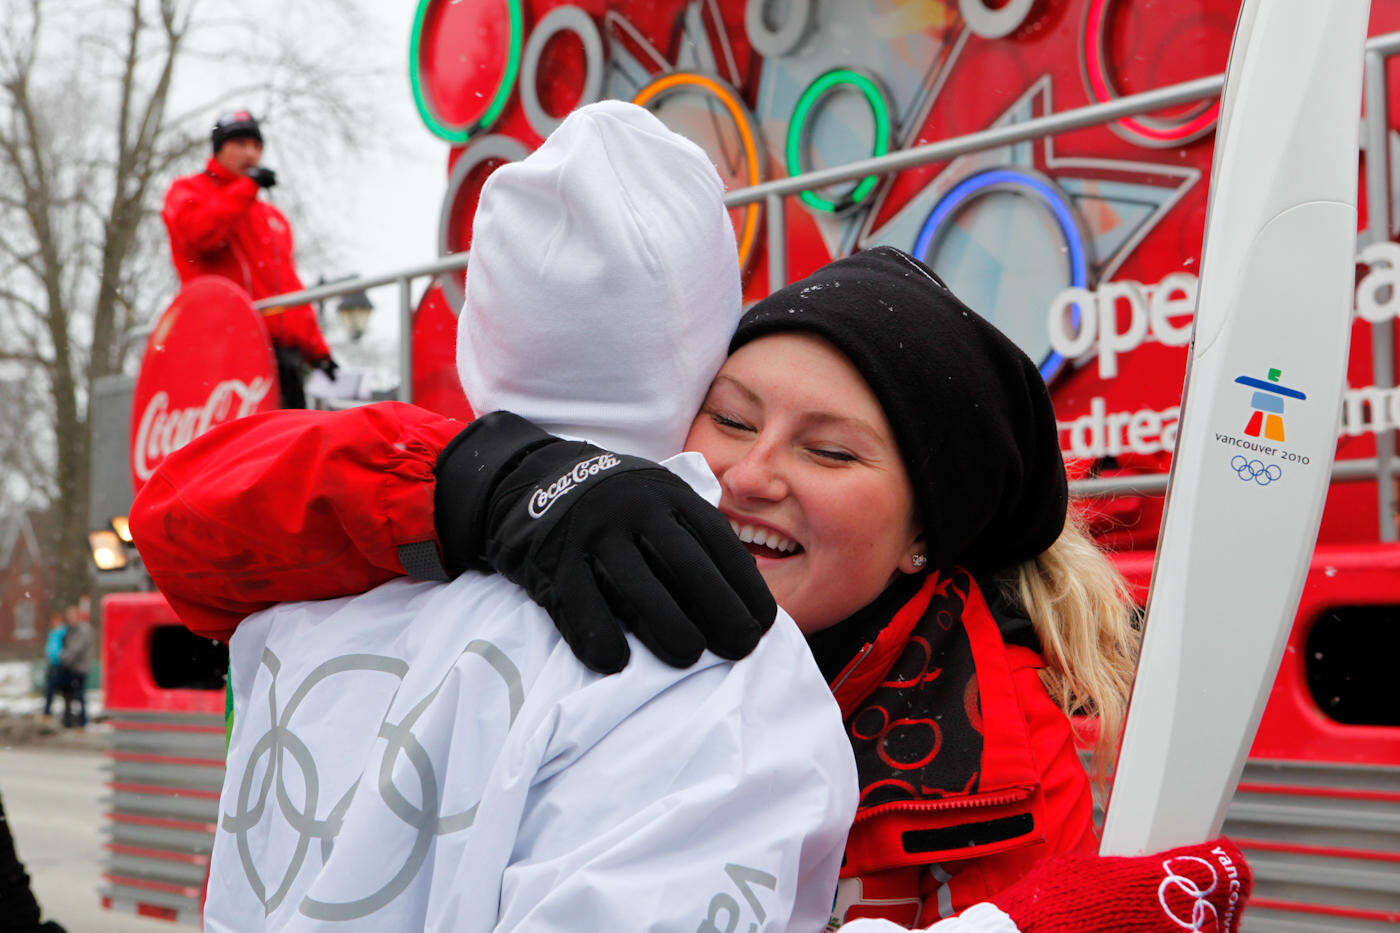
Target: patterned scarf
918 734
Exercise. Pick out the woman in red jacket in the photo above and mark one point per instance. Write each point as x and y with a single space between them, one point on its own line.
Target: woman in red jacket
957 637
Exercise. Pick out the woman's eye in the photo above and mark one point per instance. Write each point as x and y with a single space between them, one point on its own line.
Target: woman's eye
839 456
725 421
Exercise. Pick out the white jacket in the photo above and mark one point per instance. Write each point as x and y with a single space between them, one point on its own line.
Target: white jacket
432 756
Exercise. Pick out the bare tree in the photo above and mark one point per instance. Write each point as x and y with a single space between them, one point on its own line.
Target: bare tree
91 132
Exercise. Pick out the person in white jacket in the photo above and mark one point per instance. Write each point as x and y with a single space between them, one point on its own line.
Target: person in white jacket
433 756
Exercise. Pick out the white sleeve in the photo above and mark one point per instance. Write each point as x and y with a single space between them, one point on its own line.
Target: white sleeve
721 802
979 918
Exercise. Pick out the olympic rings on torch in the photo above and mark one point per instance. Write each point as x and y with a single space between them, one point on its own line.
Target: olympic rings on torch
829 83
684 81
1144 131
1256 470
461 133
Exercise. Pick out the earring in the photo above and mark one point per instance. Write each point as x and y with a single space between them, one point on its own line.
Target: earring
920 560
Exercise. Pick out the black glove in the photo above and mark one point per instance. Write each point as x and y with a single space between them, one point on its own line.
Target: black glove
601 541
265 177
330 367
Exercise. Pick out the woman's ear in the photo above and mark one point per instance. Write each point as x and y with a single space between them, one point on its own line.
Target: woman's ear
915 559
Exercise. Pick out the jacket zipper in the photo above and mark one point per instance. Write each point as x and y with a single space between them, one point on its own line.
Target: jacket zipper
995 799
851 668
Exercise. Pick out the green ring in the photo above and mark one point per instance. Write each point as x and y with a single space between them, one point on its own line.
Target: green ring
807 102
462 134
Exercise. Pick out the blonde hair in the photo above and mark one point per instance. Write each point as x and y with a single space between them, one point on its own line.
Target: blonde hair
1085 617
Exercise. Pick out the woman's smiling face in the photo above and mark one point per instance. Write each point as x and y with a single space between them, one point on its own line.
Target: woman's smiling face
812 477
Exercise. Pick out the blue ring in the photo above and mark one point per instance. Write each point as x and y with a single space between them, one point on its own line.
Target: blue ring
1047 194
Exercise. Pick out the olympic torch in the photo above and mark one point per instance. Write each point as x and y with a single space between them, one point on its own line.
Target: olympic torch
1265 377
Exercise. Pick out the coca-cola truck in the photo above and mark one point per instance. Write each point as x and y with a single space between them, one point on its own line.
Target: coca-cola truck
1074 226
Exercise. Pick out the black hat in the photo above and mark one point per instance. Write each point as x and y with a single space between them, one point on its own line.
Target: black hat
969 409
236 124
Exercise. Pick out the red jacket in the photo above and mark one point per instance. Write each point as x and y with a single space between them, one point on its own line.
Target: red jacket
311 505
918 861
218 226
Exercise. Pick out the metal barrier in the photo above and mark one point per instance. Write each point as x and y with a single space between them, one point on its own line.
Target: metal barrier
1317 809
773 195
1323 840
167 766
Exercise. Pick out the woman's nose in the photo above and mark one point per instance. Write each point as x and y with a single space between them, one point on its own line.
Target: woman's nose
755 475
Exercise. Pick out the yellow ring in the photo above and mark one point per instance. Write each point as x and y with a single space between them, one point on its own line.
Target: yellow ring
742 121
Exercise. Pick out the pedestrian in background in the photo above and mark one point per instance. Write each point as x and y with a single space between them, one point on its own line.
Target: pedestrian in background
219 226
53 647
75 660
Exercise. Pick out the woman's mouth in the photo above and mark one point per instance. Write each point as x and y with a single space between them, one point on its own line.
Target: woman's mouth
765 542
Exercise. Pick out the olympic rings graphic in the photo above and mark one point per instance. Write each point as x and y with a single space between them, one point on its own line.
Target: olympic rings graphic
280 740
678 82
422 96
1203 914
1144 131
1247 469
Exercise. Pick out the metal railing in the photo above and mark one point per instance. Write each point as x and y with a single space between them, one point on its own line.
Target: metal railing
1385 465
405 279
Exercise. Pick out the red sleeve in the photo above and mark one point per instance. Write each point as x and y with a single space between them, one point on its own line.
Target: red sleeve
288 505
202 219
295 326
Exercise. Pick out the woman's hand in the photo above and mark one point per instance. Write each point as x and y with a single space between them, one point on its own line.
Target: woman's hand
1202 887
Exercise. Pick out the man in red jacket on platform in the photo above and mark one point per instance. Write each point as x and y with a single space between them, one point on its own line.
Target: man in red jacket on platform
219 226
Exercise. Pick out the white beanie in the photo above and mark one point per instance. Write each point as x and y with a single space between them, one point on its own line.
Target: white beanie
603 285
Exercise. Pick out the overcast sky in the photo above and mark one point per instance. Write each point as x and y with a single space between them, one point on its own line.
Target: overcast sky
377 207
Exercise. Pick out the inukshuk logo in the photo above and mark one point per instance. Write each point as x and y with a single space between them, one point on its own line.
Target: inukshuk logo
1264 431
1268 405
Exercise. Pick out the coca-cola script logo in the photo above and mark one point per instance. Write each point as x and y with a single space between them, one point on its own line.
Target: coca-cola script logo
542 499
209 361
163 430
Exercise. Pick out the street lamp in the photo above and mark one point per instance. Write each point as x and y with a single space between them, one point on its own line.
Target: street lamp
107 550
354 310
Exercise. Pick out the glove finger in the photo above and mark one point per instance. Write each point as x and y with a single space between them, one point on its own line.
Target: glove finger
643 604
687 570
709 526
588 624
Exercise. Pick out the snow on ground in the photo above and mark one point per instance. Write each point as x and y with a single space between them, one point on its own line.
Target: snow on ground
20 694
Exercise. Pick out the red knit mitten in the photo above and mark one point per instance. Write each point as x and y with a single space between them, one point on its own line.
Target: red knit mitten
1200 888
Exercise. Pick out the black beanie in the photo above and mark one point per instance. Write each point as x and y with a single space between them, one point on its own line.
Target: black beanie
969 409
237 124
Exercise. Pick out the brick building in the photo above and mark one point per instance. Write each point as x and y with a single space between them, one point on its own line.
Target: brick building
24 587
